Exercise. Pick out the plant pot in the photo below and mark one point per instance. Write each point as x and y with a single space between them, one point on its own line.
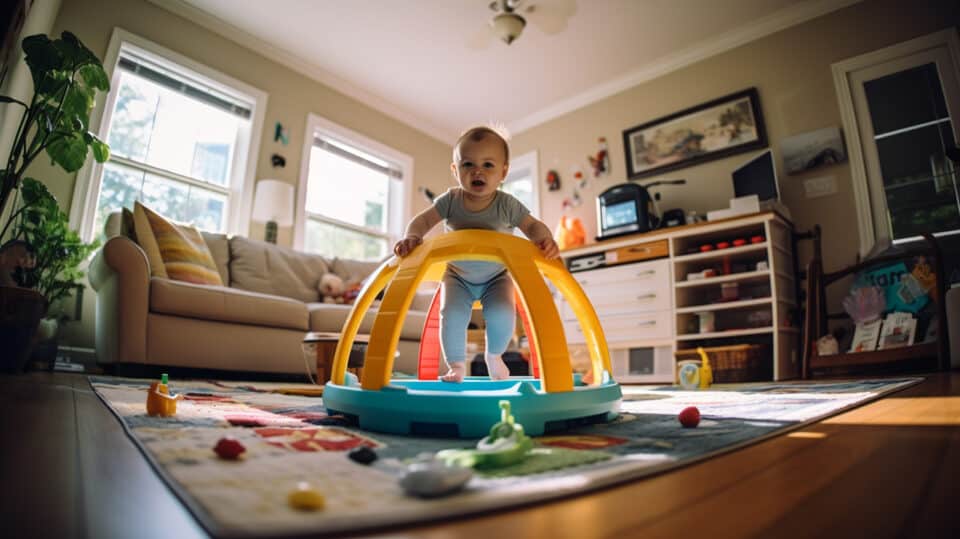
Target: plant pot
20 312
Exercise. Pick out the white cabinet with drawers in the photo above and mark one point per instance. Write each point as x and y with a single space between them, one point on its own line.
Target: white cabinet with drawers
651 290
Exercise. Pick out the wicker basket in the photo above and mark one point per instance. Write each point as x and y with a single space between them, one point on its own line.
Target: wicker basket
736 363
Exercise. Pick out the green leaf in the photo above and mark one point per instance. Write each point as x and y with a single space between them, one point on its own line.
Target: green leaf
68 151
101 150
41 56
94 76
77 103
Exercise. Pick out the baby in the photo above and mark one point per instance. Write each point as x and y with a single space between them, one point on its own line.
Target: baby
481 159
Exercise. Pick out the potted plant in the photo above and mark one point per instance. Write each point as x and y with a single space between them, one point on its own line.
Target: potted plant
39 254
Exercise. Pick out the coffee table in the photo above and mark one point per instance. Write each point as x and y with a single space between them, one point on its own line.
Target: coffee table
320 346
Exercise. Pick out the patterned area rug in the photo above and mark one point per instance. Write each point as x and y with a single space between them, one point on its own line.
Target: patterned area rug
289 438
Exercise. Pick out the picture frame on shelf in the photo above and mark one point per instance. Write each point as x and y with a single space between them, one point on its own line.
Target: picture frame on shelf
719 128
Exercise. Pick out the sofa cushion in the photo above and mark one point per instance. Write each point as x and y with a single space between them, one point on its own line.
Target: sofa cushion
263 267
331 316
219 246
225 304
147 241
183 250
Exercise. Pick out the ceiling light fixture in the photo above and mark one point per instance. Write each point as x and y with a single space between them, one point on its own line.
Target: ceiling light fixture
508 26
506 23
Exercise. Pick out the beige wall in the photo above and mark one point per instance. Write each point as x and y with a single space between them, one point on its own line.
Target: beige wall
791 71
291 97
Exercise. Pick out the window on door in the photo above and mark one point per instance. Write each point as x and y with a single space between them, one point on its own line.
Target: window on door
354 196
901 99
178 140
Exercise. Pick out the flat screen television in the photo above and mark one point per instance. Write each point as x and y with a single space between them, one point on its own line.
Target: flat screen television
758 177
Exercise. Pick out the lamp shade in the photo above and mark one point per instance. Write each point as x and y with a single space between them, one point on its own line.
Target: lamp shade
273 201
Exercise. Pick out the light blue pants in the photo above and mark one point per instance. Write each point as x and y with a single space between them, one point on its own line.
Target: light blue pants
456 305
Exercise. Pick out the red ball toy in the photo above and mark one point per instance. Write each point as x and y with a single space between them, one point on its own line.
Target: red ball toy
689 417
229 448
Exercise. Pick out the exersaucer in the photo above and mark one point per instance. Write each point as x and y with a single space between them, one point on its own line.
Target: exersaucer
467 409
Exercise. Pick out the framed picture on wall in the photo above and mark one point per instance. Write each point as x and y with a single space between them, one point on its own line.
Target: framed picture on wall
719 128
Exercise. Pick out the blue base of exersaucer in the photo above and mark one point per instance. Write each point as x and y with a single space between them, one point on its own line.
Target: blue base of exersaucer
468 409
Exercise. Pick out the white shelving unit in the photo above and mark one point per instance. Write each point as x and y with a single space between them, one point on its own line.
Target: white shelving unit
651 305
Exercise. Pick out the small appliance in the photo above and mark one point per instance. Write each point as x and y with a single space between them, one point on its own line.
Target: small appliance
626 209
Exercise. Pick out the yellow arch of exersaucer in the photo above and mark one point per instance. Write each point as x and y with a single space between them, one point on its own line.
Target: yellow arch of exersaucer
427 263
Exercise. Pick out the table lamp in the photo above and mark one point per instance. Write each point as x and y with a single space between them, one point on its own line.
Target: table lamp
273 205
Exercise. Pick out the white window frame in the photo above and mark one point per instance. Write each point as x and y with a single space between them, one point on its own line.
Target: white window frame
874 230
399 191
530 161
239 204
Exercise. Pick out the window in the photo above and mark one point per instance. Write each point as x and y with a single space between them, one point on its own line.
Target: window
521 182
353 192
179 137
896 105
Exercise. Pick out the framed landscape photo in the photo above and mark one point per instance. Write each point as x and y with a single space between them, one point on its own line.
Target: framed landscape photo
725 126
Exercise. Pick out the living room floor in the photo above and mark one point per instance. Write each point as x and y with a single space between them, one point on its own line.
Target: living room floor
887 469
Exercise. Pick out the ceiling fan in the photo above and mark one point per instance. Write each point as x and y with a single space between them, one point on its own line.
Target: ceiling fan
510 18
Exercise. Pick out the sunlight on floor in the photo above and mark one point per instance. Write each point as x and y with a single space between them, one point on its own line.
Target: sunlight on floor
905 411
807 434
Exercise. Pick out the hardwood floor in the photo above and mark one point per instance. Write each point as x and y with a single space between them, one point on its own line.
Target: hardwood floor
888 469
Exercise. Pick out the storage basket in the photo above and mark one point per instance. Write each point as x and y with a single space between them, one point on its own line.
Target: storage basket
735 363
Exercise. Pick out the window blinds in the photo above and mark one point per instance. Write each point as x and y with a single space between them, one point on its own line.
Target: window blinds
178 83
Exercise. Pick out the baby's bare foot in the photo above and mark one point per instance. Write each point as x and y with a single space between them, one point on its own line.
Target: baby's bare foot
456 373
497 368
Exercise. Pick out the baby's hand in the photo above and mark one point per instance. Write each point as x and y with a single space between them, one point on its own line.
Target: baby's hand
406 245
549 248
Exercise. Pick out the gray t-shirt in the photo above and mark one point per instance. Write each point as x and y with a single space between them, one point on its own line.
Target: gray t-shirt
503 215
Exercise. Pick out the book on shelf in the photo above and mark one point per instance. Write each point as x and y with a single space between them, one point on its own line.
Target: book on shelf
899 329
865 336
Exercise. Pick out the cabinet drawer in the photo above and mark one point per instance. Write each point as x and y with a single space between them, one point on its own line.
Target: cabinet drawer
655 271
615 299
634 327
640 251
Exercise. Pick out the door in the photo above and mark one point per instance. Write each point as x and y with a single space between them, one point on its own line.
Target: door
906 111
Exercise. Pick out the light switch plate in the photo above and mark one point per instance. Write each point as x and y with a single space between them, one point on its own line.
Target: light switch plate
818 187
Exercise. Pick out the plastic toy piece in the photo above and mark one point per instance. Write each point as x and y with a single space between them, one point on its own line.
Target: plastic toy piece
706 373
505 445
159 401
401 406
228 448
433 478
689 376
756 239
305 498
526 265
689 417
363 455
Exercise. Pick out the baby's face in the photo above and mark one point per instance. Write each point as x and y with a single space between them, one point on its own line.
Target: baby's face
481 167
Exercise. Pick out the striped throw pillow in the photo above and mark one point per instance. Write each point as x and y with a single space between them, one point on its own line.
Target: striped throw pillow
185 255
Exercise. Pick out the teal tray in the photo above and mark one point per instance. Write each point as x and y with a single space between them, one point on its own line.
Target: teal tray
468 409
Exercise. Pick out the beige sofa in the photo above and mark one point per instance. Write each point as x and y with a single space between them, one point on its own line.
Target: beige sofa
256 324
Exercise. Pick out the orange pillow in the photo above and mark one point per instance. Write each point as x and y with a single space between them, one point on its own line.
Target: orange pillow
183 255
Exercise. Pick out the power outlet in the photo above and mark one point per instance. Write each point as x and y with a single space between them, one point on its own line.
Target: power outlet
818 187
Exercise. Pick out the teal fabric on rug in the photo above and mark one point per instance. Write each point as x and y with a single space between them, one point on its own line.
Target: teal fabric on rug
290 438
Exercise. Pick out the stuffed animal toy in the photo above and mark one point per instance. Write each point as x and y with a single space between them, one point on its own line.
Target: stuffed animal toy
331 288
